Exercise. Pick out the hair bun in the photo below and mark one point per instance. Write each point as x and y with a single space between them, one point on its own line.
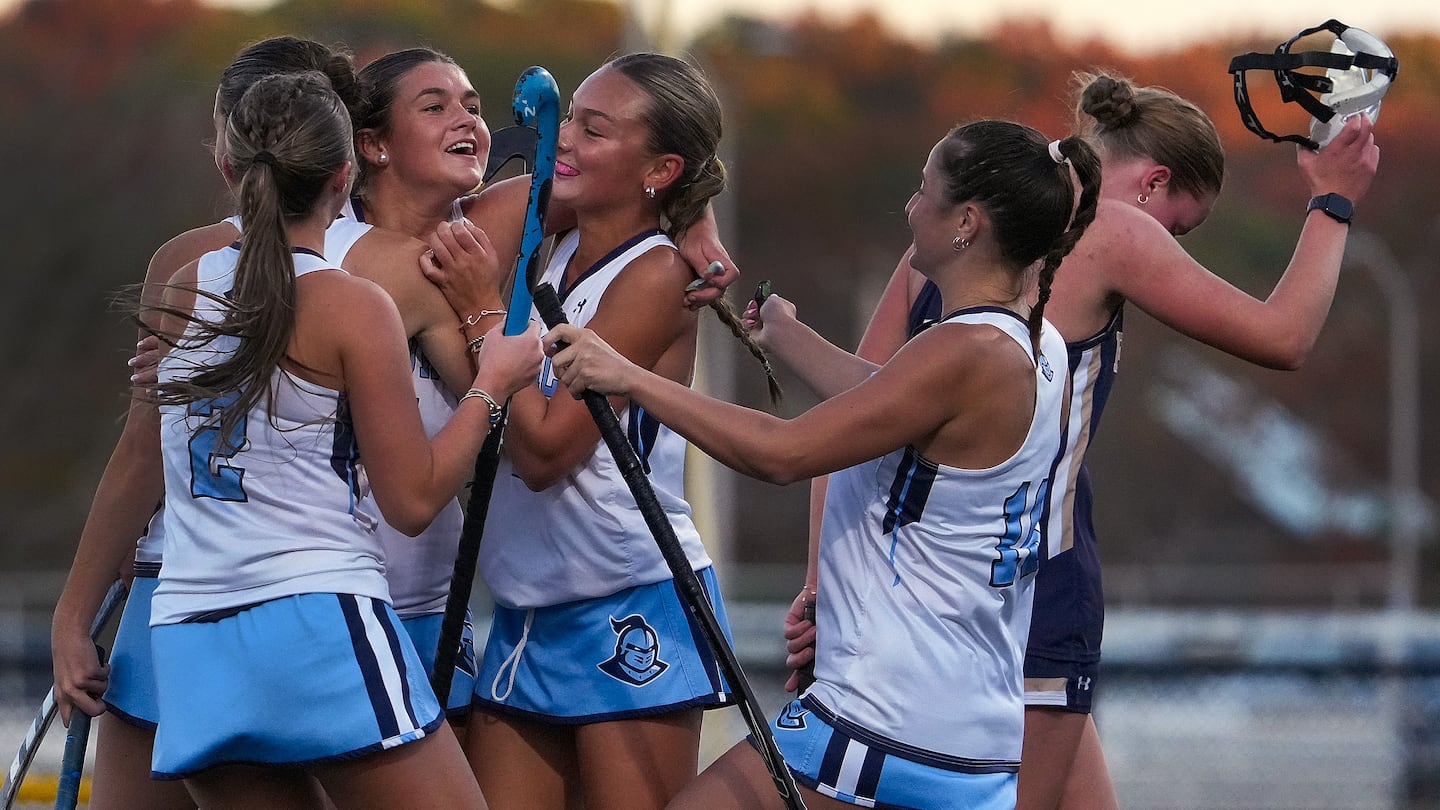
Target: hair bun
340 70
1110 101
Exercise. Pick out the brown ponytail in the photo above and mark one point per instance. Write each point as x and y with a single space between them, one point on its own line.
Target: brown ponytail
286 138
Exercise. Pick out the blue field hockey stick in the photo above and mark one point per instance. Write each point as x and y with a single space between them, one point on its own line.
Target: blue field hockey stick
48 708
537 106
687 584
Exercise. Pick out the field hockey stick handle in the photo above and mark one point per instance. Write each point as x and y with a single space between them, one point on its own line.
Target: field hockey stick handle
536 106
67 793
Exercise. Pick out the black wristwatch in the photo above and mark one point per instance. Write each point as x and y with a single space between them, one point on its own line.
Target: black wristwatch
1335 206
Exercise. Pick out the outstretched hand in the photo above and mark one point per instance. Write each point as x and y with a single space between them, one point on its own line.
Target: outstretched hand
776 311
1344 166
582 361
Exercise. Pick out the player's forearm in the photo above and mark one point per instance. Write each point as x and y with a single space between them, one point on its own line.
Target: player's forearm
127 496
826 369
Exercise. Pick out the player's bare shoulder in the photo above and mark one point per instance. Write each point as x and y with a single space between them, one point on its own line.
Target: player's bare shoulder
186 247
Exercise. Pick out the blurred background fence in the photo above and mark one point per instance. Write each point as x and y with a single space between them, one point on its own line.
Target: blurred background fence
1202 709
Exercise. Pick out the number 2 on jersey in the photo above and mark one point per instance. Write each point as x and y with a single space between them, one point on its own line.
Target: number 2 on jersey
210 474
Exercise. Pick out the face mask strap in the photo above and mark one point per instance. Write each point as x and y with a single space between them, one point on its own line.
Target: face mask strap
1301 88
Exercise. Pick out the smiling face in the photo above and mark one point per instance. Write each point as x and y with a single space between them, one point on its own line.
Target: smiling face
436 136
603 149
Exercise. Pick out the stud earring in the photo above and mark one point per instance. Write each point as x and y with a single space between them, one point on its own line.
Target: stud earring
959 243
650 192
383 159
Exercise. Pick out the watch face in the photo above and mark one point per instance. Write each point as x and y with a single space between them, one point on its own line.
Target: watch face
1335 206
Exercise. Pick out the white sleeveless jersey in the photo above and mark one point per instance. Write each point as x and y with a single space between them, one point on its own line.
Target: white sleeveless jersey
150 549
926 574
584 537
417 568
274 511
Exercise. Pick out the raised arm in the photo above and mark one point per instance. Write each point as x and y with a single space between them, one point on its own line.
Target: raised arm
877 416
1146 265
824 367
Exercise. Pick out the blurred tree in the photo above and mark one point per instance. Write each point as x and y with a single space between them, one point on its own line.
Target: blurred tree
107 113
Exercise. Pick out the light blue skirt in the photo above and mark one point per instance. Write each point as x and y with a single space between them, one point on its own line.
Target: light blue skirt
295 681
636 653
130 695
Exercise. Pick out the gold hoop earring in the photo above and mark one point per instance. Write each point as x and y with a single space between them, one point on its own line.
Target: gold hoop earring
959 243
1142 199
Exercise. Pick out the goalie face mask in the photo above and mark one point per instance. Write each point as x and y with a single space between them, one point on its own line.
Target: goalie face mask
1358 71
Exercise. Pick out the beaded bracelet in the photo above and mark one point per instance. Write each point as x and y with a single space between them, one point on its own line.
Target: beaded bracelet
475 344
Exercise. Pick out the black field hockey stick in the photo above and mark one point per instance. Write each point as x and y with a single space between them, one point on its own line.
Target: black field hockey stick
49 708
537 106
687 584
72 763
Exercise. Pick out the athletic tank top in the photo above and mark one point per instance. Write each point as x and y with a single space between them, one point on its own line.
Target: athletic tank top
271 510
927 576
584 537
1069 616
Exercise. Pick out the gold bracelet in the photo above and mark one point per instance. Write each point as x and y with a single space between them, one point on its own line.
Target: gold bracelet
474 320
475 344
495 411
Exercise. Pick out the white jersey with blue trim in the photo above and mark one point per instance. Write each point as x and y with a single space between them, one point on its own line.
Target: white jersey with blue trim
418 568
926 575
271 510
584 537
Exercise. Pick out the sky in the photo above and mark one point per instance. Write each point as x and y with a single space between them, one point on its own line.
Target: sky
1137 25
